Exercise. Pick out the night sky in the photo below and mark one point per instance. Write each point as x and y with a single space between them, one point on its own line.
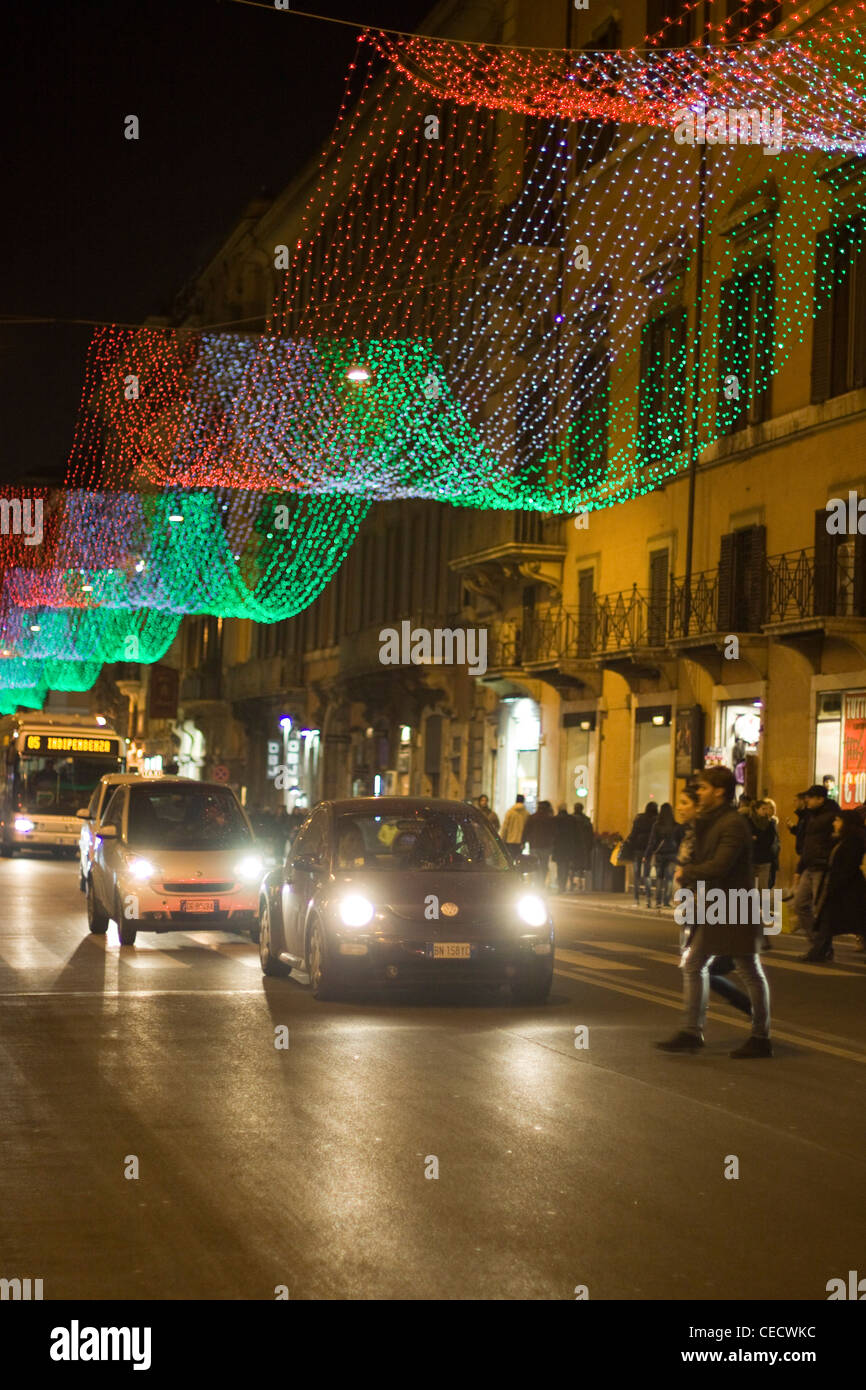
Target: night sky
232 101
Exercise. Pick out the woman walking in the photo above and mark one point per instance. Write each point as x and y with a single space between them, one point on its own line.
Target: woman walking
661 850
635 846
840 909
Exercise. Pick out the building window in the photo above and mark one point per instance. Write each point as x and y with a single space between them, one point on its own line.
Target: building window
839 334
662 391
746 313
840 572
741 602
657 605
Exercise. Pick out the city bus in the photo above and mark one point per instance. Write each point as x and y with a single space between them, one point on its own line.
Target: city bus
49 765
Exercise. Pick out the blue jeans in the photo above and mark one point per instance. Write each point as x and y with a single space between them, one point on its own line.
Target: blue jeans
665 882
696 987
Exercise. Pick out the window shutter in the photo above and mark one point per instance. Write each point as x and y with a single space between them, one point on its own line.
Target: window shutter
764 338
859 575
676 403
822 316
658 578
755 578
726 409
860 304
825 567
725 599
647 394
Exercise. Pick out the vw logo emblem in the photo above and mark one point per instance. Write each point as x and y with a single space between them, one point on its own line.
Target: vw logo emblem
450 909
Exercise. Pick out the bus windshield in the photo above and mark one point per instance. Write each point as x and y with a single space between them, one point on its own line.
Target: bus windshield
58 786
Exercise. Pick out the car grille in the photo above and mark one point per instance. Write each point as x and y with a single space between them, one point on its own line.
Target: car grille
190 889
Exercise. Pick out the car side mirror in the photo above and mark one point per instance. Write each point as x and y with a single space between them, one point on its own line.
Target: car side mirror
82 813
107 832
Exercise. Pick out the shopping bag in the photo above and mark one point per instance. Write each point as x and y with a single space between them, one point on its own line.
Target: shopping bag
615 854
789 916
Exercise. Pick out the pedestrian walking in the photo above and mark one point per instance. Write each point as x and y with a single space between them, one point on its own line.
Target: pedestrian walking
720 966
840 908
585 840
487 811
661 854
814 855
564 847
538 833
634 847
796 825
721 859
515 820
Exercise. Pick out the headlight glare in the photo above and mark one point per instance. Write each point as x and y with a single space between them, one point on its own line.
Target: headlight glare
23 825
251 867
356 910
142 869
532 910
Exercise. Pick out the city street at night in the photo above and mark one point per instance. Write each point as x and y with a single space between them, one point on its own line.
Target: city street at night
305 1166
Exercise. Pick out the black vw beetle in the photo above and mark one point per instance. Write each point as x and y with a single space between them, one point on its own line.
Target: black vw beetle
404 891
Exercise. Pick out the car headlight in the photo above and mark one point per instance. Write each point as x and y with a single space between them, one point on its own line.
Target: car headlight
142 869
532 909
356 911
251 867
23 825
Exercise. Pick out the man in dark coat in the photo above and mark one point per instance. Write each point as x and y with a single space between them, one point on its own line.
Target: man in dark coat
564 847
814 855
722 859
585 837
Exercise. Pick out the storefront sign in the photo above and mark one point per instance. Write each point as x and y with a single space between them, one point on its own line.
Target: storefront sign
273 759
853 790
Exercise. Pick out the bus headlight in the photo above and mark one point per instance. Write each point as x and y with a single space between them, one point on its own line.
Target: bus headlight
23 825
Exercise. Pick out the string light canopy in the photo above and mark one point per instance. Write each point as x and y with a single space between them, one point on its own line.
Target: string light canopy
497 258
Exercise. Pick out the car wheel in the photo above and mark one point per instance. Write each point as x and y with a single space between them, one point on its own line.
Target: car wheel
255 931
270 965
97 920
318 967
532 990
127 930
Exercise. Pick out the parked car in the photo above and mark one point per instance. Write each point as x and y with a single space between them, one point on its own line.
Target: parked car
90 814
171 853
404 890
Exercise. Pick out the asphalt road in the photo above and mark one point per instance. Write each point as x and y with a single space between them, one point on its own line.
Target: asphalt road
304 1167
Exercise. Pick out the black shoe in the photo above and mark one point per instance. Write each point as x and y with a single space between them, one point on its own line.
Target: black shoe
816 959
682 1042
754 1047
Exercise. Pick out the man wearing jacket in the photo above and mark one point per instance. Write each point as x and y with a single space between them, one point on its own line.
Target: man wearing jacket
722 859
817 844
515 820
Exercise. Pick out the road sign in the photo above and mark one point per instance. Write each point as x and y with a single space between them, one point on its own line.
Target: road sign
220 773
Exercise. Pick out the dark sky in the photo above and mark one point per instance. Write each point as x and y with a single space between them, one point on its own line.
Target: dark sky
232 100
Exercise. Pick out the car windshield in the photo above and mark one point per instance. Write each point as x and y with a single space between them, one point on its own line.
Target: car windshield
59 786
185 818
424 839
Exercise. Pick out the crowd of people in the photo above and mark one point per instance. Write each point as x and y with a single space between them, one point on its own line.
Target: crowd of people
567 839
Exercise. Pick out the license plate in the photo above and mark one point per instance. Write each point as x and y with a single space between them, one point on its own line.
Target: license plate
198 905
452 950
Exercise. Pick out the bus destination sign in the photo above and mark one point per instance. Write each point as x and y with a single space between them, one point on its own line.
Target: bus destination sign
71 743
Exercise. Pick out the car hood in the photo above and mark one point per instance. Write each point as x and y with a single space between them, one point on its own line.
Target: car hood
193 865
478 895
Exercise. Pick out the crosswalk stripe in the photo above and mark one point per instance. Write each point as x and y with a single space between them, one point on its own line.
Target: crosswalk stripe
592 962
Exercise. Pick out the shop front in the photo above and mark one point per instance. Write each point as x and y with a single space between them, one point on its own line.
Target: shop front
653 743
739 728
519 744
840 745
578 750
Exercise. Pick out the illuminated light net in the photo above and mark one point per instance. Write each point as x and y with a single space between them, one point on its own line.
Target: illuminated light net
493 279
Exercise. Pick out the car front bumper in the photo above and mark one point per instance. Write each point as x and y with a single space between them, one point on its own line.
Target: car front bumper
492 960
153 909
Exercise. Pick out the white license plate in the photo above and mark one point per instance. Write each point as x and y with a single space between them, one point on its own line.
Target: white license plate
451 950
198 905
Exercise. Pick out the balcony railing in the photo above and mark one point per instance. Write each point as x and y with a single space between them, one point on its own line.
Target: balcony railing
700 615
